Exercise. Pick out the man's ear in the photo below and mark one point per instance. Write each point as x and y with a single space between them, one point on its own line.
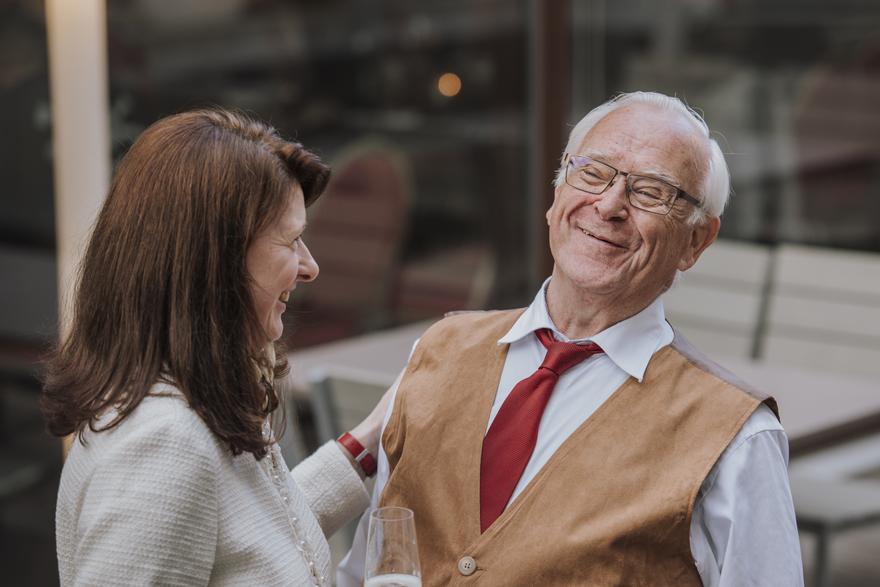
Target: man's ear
702 235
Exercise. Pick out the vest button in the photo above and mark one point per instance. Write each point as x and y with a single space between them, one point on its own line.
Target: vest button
467 565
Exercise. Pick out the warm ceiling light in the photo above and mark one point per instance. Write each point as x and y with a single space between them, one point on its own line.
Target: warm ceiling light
449 84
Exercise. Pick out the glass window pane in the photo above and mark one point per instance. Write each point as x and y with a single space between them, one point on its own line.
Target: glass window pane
790 87
419 107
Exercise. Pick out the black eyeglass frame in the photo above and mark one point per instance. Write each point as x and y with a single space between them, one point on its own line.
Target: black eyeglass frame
629 178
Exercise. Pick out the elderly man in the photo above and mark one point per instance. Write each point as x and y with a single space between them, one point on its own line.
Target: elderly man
582 441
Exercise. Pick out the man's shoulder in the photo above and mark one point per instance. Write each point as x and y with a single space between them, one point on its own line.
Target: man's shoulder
704 363
470 324
478 318
762 420
467 332
479 314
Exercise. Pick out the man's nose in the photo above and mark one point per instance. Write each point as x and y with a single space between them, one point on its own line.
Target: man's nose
613 202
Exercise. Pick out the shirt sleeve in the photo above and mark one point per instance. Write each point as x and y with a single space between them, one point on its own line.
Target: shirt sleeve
743 529
149 513
332 488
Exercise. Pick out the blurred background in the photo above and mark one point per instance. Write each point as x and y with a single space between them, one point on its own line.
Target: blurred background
443 122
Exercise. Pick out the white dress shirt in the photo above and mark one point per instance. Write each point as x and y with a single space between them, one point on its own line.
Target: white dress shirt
743 531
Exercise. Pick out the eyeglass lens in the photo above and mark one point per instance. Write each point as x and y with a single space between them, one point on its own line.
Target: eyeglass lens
647 193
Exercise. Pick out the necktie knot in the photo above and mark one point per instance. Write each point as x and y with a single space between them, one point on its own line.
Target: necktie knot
562 356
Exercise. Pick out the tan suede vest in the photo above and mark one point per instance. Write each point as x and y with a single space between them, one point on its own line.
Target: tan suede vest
612 506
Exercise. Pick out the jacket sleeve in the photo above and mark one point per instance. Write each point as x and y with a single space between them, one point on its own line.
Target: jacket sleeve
333 490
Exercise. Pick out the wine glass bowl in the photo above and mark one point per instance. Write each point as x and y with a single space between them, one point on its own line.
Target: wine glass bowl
392 551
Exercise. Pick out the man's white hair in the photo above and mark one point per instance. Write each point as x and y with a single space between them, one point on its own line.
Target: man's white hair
716 181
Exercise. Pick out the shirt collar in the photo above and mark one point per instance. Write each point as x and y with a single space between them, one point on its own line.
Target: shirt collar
630 343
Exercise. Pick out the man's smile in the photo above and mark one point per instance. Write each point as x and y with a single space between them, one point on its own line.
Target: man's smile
602 239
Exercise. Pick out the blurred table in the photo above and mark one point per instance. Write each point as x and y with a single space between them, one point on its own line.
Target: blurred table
383 352
814 405
817 407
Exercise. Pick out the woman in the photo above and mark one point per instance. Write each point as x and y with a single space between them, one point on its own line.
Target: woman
167 375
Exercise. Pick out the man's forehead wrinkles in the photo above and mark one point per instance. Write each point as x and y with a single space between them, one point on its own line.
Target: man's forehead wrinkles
621 141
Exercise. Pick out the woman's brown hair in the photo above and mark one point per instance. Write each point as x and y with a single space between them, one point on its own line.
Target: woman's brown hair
163 290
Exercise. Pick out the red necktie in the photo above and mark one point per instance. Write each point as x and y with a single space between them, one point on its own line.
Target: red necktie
509 444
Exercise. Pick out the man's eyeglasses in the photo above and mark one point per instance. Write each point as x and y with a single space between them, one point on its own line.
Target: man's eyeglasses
645 193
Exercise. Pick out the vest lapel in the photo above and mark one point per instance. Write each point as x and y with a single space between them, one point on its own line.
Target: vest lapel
475 420
478 369
574 442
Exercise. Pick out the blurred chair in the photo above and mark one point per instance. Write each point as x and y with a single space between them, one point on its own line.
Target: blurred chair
293 442
355 233
458 278
19 375
836 149
28 296
826 507
28 312
824 310
18 475
718 303
341 398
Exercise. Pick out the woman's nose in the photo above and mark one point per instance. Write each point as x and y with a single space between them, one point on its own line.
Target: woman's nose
308 267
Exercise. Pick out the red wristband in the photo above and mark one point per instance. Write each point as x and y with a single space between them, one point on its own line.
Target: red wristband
361 455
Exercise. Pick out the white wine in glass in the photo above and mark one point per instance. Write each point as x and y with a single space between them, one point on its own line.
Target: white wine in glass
394 580
392 550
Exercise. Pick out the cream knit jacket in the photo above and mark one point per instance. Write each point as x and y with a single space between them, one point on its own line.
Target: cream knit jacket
158 500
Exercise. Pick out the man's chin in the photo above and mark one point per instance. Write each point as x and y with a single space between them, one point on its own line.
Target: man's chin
595 280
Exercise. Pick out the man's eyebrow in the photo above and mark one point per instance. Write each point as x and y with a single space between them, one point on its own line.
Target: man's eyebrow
650 172
593 154
658 174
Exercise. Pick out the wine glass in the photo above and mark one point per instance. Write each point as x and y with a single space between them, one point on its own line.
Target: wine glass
392 551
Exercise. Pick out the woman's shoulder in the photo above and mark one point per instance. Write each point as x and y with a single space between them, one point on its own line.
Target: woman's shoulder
162 421
147 490
161 454
166 408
